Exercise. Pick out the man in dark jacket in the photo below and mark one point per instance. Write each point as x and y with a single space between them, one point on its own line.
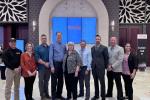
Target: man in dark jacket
99 63
2 65
11 58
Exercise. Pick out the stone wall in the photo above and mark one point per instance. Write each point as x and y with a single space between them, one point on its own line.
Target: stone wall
113 11
34 7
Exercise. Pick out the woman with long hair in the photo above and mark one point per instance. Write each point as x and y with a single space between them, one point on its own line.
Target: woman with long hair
129 70
28 66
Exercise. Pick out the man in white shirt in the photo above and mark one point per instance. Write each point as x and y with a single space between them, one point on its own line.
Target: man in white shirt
85 72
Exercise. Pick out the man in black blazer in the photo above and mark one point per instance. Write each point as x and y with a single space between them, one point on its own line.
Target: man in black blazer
99 63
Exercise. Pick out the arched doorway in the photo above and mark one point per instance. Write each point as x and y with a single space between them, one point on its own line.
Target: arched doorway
101 13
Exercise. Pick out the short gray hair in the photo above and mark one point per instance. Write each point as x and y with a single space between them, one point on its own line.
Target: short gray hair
70 43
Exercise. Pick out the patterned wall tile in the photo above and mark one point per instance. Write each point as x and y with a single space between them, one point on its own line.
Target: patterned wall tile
132 11
148 11
13 10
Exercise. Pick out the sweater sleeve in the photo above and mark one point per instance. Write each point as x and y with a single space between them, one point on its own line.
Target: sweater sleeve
22 62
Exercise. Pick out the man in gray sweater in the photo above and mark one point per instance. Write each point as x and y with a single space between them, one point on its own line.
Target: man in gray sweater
114 69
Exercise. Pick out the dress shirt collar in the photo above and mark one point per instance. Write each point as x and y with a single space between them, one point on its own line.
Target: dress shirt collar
97 45
83 49
113 47
44 45
58 42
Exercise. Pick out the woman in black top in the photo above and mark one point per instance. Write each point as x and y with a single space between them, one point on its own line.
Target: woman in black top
129 70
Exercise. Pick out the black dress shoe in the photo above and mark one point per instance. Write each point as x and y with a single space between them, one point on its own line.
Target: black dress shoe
107 95
126 97
47 96
87 98
68 98
94 98
42 97
80 95
32 99
120 98
61 98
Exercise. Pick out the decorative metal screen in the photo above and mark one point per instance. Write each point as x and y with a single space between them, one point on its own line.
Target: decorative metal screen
148 12
13 10
134 11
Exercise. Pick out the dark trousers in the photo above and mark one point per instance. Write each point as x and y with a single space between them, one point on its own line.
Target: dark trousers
44 76
57 80
98 76
3 68
71 85
29 81
128 86
84 79
117 77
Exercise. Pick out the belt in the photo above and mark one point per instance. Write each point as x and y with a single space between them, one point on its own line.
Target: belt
58 61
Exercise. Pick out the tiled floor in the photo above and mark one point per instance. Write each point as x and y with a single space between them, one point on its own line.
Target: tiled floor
141 88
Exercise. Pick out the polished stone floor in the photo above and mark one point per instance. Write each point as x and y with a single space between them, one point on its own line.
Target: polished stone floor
141 88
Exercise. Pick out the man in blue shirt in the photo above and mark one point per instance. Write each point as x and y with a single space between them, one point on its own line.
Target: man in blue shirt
42 58
84 74
56 55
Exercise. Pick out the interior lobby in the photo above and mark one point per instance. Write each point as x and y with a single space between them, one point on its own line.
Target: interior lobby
128 20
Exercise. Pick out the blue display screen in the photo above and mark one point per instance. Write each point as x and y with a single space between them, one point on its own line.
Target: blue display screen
89 30
20 45
74 29
59 24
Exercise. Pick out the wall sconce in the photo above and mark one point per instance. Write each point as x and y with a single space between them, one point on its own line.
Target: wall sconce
34 25
113 25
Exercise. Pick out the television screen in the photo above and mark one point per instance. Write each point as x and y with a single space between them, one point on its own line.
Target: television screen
74 29
20 45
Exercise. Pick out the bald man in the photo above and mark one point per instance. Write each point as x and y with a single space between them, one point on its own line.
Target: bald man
114 69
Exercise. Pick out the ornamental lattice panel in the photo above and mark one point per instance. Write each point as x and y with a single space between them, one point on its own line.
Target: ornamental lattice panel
148 12
13 11
132 11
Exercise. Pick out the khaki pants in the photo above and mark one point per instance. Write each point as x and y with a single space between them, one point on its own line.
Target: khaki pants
11 76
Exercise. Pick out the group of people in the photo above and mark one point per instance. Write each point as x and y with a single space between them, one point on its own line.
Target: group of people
70 65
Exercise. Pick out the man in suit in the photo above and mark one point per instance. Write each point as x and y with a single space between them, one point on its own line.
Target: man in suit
114 70
99 63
